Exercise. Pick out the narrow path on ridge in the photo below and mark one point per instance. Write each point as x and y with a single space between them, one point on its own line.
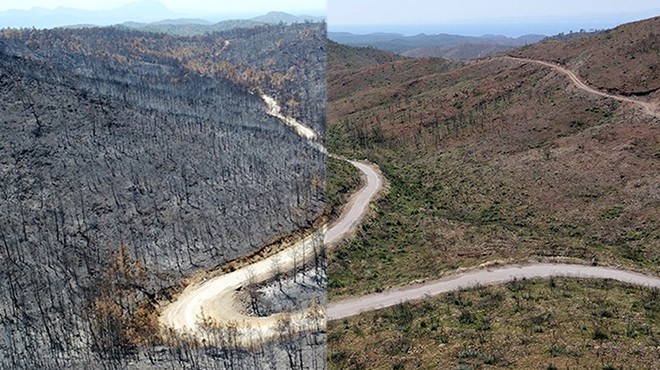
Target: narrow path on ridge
648 107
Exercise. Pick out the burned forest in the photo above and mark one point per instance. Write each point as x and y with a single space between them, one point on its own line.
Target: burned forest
129 162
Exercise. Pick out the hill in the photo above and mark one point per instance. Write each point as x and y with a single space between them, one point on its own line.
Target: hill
622 60
494 160
463 51
454 47
345 57
140 11
133 161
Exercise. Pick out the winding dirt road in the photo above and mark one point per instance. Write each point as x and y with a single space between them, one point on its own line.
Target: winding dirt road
354 306
215 300
648 107
358 203
213 303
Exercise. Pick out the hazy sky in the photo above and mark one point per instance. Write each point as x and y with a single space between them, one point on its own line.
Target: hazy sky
434 11
361 15
214 6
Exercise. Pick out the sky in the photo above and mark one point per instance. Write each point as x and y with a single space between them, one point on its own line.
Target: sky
466 17
417 15
30 13
212 6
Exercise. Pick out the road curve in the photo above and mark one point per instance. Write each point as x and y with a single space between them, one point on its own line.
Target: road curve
354 306
648 107
357 205
214 299
213 303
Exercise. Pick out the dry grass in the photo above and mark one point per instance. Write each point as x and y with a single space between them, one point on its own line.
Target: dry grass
624 60
494 161
559 323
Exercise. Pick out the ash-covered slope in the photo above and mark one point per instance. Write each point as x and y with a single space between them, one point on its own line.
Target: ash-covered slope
294 60
123 170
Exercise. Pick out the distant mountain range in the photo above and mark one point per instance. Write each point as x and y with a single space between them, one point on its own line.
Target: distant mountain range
189 27
149 14
453 47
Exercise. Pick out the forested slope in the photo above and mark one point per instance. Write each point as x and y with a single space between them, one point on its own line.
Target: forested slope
130 160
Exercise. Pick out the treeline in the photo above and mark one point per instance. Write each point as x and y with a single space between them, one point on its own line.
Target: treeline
123 171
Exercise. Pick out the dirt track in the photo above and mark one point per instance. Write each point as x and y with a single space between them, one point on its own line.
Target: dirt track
353 306
214 301
648 107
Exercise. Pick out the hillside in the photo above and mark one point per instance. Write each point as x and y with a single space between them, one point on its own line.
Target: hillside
346 57
494 160
557 324
622 60
453 47
464 51
369 72
500 161
131 162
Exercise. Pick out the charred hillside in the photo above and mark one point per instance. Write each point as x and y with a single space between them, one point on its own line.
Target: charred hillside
128 161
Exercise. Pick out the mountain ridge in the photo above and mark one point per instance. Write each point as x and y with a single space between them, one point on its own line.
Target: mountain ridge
455 47
149 12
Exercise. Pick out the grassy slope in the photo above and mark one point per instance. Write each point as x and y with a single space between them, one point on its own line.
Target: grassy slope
528 324
343 180
493 160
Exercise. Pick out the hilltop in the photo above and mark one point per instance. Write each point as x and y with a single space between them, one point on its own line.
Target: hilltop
192 27
454 47
342 57
150 15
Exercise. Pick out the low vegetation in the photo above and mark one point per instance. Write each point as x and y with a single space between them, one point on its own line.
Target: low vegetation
493 160
343 180
559 323
624 59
